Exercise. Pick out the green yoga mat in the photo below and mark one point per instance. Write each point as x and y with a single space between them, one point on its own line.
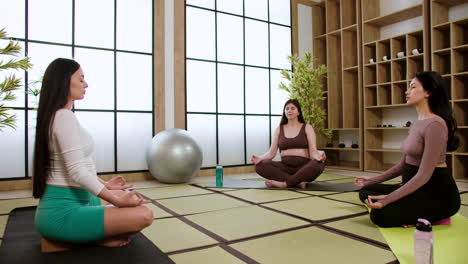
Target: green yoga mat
449 242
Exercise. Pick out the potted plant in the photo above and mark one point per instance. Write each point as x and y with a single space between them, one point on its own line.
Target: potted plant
11 82
305 85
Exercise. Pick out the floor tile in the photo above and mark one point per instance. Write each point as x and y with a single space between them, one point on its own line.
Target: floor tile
361 226
3 223
316 208
201 203
244 222
312 245
352 197
7 205
172 191
262 196
210 255
328 177
172 234
158 212
464 211
464 198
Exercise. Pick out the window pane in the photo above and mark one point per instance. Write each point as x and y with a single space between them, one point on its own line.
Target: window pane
200 33
278 96
275 121
134 81
87 31
256 43
42 55
257 90
230 88
230 38
256 9
258 135
134 25
280 44
50 20
202 3
134 134
230 6
101 127
98 69
32 122
12 18
20 95
12 154
203 130
201 86
231 140
280 11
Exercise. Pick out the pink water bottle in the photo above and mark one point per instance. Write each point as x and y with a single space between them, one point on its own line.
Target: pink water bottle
423 242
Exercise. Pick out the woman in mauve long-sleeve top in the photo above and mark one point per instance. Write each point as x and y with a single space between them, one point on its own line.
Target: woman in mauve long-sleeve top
428 190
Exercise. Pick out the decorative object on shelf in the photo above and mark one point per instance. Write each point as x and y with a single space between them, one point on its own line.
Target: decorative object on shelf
417 51
329 145
354 145
400 54
371 60
379 125
341 145
408 124
390 125
384 125
385 58
305 85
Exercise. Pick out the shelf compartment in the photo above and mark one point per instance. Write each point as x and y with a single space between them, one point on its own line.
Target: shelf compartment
334 78
383 49
350 45
441 63
441 37
462 134
349 12
460 112
370 74
460 57
400 15
332 8
398 70
398 44
415 64
319 17
370 52
398 93
384 94
460 33
320 47
375 161
372 117
383 73
460 169
350 99
448 86
415 41
370 96
460 87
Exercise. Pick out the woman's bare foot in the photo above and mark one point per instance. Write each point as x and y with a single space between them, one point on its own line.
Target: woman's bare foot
275 184
408 226
302 185
116 242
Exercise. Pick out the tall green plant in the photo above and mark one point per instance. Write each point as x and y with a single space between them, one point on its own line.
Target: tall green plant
305 85
11 82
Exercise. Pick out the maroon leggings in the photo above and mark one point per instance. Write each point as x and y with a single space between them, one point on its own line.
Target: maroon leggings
291 169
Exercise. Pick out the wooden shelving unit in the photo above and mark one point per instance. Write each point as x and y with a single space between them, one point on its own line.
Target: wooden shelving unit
449 52
389 65
337 44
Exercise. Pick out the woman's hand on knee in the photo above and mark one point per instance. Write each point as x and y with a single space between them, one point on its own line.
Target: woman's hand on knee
361 181
131 199
375 202
117 183
255 159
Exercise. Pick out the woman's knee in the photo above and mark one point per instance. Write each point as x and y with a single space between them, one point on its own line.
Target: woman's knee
379 218
146 217
261 166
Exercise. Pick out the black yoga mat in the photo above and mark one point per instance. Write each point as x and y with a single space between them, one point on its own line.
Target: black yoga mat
311 186
22 244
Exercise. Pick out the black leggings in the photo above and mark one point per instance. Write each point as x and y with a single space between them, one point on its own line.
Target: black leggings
436 200
291 169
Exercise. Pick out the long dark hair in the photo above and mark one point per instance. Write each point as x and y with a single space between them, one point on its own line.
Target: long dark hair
284 119
439 103
54 95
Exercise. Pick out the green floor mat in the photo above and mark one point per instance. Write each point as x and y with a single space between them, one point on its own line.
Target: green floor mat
361 226
172 191
331 177
449 242
312 245
352 197
158 212
464 198
211 255
263 196
463 210
7 205
336 186
3 223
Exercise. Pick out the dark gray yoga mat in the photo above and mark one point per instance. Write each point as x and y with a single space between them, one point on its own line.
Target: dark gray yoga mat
311 186
21 244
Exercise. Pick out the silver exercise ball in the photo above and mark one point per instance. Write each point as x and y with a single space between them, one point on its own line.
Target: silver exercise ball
174 156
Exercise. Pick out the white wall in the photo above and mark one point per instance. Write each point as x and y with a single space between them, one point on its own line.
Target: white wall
458 12
410 25
305 32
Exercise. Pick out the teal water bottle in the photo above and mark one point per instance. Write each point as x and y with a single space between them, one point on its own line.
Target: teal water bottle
219 175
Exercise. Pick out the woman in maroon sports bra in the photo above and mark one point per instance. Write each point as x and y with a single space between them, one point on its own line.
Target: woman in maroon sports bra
301 162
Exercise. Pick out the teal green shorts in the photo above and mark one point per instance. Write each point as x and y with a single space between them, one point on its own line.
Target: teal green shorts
70 214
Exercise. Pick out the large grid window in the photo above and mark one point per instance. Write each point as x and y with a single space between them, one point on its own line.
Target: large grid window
234 53
113 42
